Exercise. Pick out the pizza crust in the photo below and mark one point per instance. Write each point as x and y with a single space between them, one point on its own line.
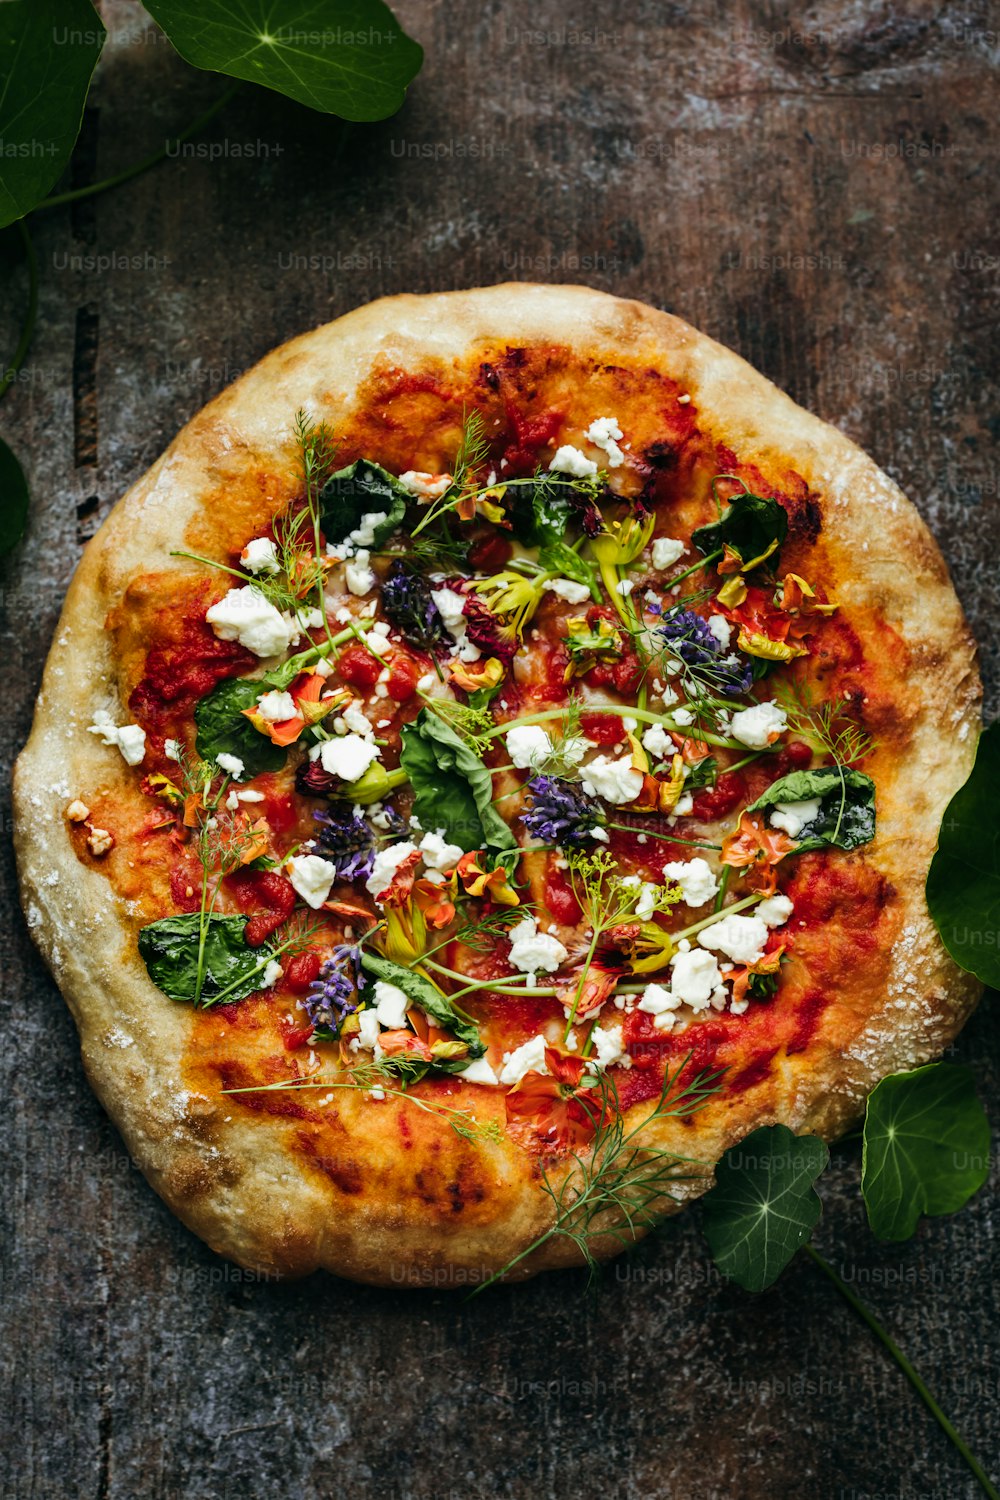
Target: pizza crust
230 1175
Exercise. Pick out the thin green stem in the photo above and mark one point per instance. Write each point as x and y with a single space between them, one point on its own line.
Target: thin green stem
31 312
912 1375
76 194
643 715
694 568
652 833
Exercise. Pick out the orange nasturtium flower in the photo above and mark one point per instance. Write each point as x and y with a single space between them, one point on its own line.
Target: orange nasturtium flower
757 849
473 675
554 1108
306 690
478 881
743 973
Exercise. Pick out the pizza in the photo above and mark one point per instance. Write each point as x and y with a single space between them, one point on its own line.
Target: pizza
487 767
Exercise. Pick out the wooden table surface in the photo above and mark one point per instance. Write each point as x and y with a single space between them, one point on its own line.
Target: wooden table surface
820 194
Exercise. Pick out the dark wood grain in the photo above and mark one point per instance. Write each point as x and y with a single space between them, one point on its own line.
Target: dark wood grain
819 193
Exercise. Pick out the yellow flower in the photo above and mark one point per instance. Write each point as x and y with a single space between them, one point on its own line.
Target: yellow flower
755 644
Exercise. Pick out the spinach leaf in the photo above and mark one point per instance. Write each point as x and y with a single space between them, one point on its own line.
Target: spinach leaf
846 817
750 524
438 1007
232 970
543 520
362 489
45 89
350 59
222 729
963 886
452 789
13 500
763 1207
926 1147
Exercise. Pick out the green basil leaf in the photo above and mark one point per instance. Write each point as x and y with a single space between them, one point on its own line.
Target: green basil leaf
13 499
222 729
232 970
749 524
963 884
452 789
350 58
47 56
362 489
846 818
926 1147
543 520
441 1010
763 1207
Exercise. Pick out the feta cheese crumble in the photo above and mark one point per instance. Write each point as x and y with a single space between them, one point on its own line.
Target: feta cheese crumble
130 739
528 1058
425 486
694 978
739 937
666 551
260 556
385 865
565 588
528 745
531 950
694 876
391 1005
311 877
231 764
244 615
276 708
570 460
438 853
775 910
759 726
614 780
792 817
604 432
349 757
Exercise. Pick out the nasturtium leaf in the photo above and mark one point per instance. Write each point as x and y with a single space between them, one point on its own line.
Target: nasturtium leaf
48 52
441 1010
232 970
223 729
750 524
13 500
341 57
763 1207
926 1147
362 489
846 815
963 886
452 788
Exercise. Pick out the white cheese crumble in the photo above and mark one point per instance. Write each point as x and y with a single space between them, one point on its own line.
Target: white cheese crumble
531 950
694 978
759 726
450 605
609 1047
570 460
364 535
721 629
528 745
348 758
230 763
666 551
479 1071
573 593
312 878
385 865
425 486
656 1000
694 876
391 1005
775 910
792 817
260 556
528 1058
368 1029
739 937
604 432
358 575
244 615
128 738
272 973
614 780
657 741
438 853
275 708
172 749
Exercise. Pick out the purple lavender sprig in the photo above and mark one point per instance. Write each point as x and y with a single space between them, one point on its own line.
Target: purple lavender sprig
712 666
407 604
346 839
560 813
333 995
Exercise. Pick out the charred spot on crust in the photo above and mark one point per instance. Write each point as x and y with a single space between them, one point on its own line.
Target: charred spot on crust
805 520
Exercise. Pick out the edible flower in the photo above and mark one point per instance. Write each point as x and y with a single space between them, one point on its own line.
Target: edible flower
306 692
480 882
561 814
346 840
590 638
408 605
799 597
766 648
646 947
558 1109
471 676
758 980
499 608
333 994
757 849
582 997
689 637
